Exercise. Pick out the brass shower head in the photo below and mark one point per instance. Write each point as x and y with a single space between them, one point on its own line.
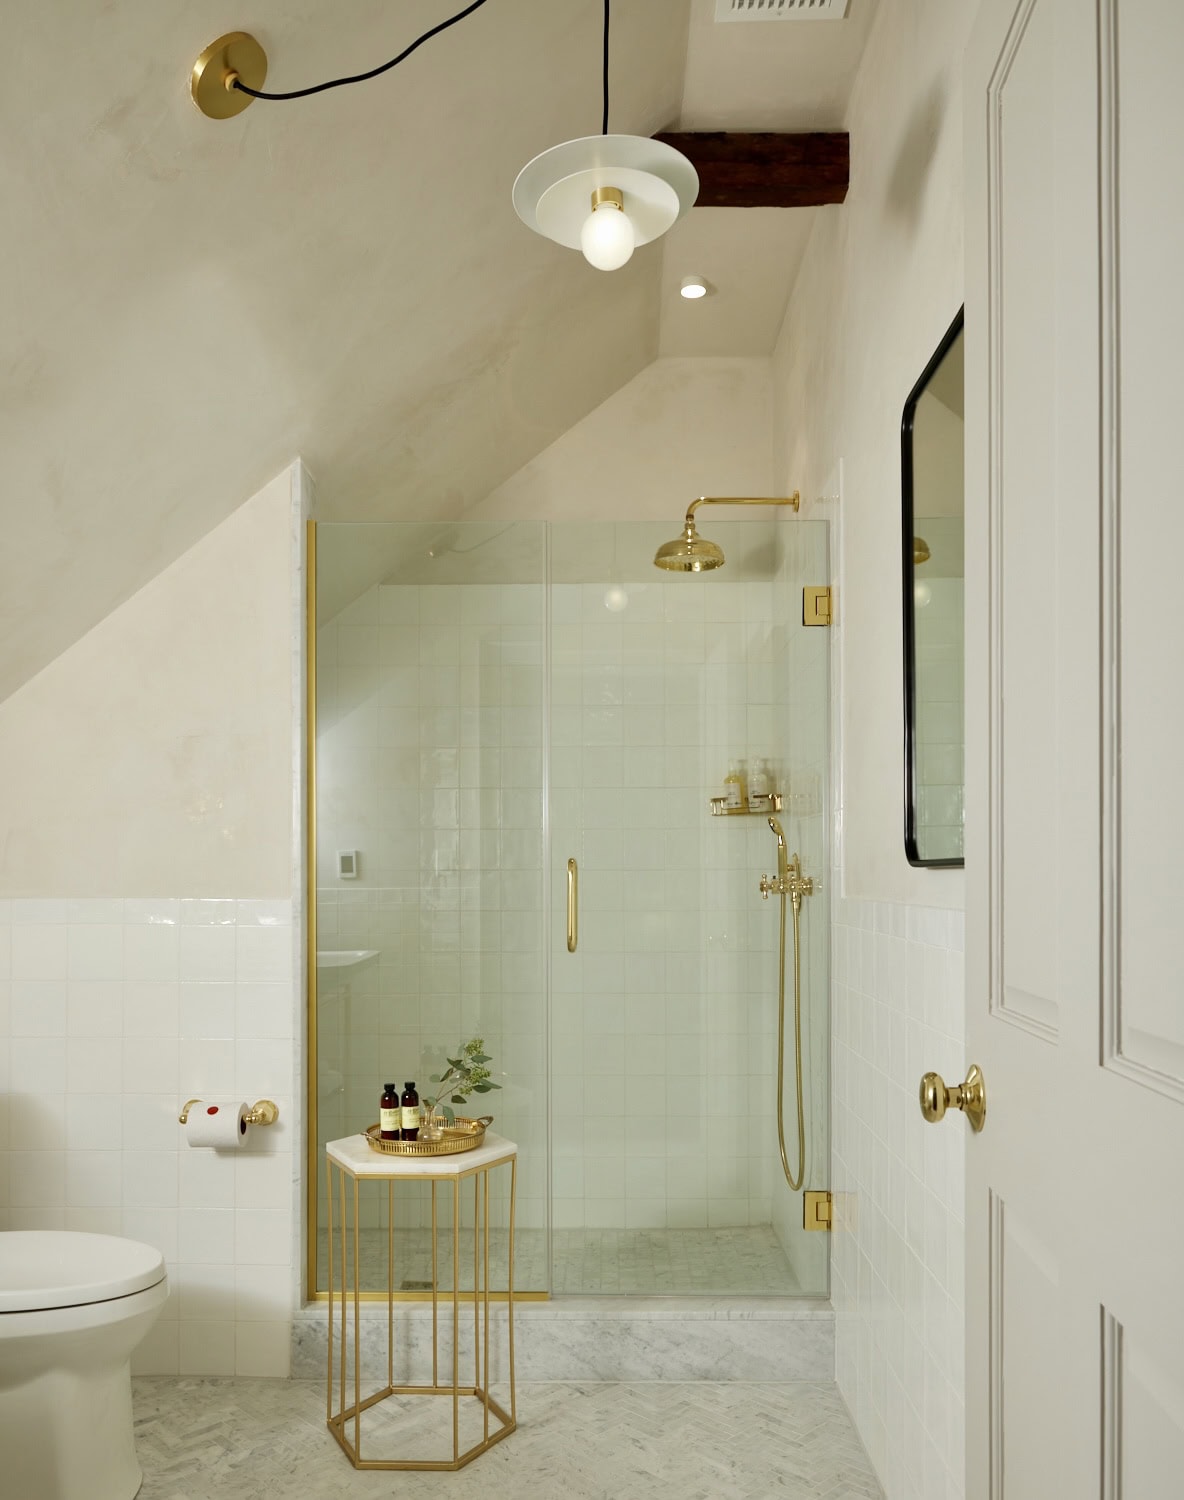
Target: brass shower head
691 553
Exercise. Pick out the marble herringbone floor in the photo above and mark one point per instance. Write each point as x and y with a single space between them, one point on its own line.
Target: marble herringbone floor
243 1439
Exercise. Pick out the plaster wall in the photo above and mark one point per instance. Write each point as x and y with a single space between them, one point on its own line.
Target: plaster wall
683 427
879 285
155 755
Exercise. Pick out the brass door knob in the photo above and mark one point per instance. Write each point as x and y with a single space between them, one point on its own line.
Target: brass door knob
970 1097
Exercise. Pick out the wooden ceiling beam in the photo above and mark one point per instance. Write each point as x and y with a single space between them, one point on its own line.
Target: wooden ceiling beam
766 169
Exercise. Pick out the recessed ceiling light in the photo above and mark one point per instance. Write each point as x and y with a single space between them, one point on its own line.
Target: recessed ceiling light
692 287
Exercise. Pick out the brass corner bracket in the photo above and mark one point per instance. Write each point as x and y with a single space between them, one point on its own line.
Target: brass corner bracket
817 1210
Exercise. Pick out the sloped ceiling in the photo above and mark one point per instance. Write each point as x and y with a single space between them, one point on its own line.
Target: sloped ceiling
188 304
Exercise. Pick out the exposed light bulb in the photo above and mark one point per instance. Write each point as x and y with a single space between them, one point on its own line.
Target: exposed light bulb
922 594
692 287
607 238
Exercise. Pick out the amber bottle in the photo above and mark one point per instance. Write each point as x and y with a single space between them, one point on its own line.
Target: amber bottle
389 1115
410 1105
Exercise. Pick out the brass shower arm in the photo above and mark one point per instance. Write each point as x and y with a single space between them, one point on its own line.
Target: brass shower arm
795 500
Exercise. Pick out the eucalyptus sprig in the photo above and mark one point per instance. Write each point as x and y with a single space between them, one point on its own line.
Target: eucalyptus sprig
466 1074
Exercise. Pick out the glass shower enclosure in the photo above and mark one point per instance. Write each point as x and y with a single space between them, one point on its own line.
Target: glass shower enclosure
490 703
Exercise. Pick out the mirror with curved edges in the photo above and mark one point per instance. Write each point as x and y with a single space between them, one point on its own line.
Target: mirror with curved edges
932 607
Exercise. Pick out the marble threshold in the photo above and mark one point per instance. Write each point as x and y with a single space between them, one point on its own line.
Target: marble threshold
600 1338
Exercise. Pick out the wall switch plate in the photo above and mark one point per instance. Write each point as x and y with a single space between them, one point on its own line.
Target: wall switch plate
347 864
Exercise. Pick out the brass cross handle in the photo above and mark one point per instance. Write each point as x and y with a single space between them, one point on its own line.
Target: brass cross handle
970 1097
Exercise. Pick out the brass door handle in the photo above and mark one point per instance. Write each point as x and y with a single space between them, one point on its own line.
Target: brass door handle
573 905
970 1097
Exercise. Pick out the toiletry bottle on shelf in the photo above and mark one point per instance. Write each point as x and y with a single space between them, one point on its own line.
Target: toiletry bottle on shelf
759 788
389 1116
410 1104
736 786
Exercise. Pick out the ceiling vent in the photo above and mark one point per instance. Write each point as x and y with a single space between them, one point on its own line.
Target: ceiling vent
780 10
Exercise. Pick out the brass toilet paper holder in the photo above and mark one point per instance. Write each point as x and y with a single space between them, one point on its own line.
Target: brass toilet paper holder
262 1112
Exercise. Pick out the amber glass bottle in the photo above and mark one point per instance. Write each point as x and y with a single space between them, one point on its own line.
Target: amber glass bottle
410 1103
389 1117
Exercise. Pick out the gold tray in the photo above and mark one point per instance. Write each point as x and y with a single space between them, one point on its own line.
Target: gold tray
462 1135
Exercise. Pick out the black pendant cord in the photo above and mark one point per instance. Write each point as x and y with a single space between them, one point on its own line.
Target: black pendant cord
337 83
604 120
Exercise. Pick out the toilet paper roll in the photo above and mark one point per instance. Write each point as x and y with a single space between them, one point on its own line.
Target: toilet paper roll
217 1122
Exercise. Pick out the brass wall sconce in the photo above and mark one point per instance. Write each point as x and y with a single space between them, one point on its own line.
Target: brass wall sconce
603 194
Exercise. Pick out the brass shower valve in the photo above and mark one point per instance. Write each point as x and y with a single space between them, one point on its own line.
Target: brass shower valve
795 885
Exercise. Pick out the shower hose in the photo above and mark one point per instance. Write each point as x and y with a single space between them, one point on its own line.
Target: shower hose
794 1182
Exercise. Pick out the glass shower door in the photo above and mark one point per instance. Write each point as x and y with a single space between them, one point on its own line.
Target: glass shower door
666 1174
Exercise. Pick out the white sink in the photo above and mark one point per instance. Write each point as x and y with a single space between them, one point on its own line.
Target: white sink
346 958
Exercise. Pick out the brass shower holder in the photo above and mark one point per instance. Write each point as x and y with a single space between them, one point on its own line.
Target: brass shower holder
720 808
262 1112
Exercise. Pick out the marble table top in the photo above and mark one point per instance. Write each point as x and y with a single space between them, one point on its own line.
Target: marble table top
357 1157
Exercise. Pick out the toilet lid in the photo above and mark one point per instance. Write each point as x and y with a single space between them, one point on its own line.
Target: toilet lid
44 1268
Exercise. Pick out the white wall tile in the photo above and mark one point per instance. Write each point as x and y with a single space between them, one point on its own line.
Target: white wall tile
37 1007
95 1007
207 952
151 950
102 1036
897 1259
39 949
95 951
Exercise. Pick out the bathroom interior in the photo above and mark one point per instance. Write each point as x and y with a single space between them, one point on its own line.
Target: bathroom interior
377 647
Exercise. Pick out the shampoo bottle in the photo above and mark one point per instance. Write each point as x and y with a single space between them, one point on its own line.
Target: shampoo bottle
410 1112
389 1117
759 788
736 786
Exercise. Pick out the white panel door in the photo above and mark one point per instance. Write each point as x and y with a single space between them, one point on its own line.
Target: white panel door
1075 718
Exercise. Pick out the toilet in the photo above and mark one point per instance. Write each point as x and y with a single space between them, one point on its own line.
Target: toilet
73 1308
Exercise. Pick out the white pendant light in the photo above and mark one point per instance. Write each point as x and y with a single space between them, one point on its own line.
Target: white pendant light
605 194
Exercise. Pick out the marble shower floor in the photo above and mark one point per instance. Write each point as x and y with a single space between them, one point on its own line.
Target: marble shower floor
242 1439
743 1261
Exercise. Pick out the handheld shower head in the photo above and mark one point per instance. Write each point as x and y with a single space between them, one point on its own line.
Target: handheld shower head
782 854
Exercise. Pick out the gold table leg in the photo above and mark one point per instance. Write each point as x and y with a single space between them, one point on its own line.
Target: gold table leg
480 1389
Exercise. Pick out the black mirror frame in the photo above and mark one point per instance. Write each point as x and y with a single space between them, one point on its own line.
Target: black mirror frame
908 609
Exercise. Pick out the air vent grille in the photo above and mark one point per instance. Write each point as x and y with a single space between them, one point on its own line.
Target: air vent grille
780 10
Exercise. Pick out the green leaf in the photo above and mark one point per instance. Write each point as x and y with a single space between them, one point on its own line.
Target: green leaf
484 1088
435 1078
481 1058
458 1098
455 1062
448 1114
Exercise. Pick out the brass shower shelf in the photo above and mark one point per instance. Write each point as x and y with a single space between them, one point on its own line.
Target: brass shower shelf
720 808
